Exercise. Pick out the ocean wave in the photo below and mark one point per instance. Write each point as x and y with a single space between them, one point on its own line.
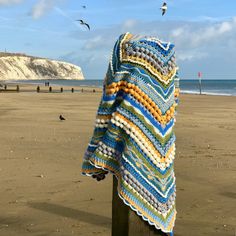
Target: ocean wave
218 93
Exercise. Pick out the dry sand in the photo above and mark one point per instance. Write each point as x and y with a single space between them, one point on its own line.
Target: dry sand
43 193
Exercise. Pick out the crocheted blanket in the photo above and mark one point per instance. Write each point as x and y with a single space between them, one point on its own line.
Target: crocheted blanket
133 136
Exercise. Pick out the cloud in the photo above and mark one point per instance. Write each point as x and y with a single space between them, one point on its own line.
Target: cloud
129 24
191 36
42 7
93 65
191 55
200 45
9 2
95 43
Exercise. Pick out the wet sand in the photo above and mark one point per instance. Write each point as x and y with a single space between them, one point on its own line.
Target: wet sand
43 193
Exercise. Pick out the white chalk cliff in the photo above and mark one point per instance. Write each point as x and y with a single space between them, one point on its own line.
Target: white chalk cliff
22 67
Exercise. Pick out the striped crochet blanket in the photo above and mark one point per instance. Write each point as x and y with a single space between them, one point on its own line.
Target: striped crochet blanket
133 136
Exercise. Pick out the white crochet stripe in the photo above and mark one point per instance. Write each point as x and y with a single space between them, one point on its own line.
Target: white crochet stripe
147 120
143 217
125 201
144 65
163 181
154 209
150 152
132 178
148 77
92 145
140 113
137 171
159 42
133 133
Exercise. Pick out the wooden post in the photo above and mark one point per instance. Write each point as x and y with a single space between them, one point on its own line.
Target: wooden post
125 222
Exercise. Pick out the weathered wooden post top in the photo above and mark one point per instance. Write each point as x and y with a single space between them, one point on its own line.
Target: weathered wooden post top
133 137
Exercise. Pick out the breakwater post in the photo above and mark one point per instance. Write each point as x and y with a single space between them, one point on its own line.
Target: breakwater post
126 222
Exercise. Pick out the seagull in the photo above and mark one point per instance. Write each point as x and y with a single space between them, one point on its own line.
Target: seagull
84 23
164 8
61 117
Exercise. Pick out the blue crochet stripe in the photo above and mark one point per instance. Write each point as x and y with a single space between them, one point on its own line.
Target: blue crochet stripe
140 204
143 182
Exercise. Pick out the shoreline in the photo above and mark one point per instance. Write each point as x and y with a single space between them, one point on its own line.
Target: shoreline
206 93
31 87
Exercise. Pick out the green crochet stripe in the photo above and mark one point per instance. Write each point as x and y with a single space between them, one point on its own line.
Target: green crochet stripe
162 140
147 206
147 163
150 74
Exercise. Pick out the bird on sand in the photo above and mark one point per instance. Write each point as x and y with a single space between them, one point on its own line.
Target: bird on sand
164 8
61 117
84 23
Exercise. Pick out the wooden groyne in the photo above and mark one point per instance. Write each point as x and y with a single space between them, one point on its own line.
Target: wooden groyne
16 88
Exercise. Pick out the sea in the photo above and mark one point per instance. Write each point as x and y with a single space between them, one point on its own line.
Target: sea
209 87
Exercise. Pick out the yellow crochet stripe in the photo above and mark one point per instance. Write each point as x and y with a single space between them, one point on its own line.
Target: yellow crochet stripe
144 137
138 208
140 61
136 60
144 99
177 91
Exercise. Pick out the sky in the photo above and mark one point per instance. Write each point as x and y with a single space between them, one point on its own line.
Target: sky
203 31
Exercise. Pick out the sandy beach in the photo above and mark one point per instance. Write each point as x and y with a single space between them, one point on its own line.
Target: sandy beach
42 190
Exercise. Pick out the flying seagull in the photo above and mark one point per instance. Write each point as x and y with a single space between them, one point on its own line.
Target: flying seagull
164 8
61 117
84 23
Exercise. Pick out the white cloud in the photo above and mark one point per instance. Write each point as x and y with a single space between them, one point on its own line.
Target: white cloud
191 55
191 36
129 24
95 43
204 45
178 32
42 7
9 2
